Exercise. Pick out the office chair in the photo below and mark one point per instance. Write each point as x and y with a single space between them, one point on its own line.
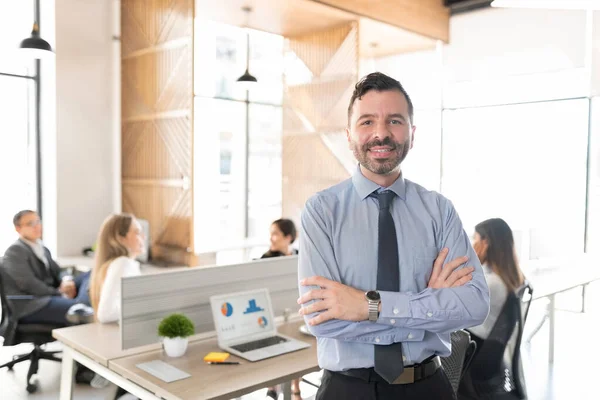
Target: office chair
496 371
15 333
463 350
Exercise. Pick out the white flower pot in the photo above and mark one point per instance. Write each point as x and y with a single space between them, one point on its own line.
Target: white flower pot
175 347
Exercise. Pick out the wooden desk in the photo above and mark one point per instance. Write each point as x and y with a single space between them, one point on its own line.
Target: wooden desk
93 345
98 347
99 342
220 381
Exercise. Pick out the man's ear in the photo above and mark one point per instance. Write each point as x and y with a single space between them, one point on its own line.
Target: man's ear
348 137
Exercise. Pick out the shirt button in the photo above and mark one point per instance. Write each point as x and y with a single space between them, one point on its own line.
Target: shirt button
430 314
410 336
396 311
393 321
377 340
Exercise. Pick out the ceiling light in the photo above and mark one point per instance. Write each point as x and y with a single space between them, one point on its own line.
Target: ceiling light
549 4
247 81
34 46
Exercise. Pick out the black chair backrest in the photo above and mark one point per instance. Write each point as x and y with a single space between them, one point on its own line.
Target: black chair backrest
490 355
463 349
500 352
8 325
525 295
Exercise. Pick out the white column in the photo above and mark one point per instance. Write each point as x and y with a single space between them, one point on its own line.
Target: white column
78 129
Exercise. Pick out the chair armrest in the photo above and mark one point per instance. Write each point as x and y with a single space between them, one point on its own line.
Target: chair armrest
21 297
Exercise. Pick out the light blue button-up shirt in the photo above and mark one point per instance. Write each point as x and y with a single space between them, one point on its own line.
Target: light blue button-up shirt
339 241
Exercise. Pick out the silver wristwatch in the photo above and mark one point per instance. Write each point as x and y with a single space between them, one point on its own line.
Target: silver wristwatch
374 300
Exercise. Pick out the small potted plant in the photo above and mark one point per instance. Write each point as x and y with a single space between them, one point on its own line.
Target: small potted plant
175 330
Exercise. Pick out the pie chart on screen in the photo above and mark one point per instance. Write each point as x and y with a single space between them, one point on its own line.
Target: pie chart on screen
262 321
226 309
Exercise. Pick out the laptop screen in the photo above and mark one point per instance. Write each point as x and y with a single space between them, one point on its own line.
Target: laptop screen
241 314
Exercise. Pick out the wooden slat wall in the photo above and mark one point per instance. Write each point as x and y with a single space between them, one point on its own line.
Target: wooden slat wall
157 132
316 109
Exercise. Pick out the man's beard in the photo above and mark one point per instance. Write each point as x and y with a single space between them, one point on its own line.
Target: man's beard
381 166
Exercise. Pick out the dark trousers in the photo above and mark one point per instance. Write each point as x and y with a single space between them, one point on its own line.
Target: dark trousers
338 387
56 310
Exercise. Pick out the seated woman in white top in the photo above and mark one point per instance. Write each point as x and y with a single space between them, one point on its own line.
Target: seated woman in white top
494 244
120 241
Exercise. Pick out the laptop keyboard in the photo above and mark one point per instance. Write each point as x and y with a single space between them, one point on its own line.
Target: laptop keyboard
259 344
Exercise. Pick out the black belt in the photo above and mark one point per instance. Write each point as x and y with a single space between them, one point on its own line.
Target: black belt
411 374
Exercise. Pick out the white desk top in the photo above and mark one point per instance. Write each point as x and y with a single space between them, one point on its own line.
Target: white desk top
554 276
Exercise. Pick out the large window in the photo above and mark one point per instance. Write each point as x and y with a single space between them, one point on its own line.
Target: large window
422 165
17 112
502 125
593 217
264 165
237 140
525 163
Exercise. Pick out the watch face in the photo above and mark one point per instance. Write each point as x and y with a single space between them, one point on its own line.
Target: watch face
373 295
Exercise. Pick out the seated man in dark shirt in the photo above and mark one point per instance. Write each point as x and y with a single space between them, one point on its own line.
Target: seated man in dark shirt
30 270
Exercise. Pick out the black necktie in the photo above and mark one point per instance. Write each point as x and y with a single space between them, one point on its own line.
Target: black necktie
388 359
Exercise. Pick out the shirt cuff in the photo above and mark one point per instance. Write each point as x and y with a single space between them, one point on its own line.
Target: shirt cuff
394 305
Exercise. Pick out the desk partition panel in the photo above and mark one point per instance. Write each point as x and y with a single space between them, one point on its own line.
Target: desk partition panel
147 299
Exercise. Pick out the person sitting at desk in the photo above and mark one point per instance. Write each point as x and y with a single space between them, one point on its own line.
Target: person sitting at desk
283 234
495 247
31 271
120 241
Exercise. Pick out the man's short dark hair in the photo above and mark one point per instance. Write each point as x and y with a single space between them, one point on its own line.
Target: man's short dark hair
380 83
19 215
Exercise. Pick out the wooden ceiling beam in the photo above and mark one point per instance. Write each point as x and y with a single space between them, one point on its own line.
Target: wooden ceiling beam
426 17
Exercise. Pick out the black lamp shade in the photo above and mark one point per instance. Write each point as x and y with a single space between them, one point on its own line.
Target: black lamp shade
246 77
247 81
37 43
36 46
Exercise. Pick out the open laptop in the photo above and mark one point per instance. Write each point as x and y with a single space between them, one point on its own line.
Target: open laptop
246 327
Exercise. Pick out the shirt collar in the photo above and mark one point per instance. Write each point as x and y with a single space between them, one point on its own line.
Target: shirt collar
34 245
365 186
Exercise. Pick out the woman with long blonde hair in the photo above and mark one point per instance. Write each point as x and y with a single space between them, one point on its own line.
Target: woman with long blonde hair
119 242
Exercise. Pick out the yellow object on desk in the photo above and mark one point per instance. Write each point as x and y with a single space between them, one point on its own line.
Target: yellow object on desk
216 357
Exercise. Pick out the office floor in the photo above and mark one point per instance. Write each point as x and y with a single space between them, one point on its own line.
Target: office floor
572 375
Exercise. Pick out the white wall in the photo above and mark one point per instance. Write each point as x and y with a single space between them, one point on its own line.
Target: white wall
81 162
499 56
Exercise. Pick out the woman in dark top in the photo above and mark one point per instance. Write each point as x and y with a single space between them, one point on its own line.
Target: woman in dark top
283 234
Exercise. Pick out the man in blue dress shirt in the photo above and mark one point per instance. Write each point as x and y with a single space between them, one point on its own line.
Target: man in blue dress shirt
385 344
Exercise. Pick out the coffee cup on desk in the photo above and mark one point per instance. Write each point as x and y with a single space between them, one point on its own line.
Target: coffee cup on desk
67 286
